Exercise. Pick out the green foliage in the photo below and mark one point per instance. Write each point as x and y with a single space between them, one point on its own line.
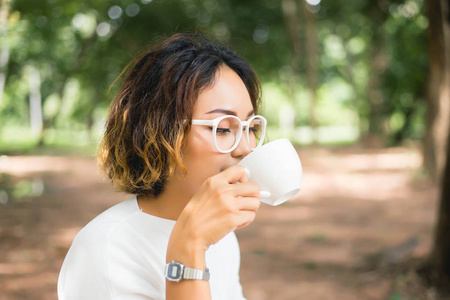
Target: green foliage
80 47
405 78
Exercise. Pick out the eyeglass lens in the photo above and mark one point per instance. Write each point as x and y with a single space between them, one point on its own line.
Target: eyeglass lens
227 132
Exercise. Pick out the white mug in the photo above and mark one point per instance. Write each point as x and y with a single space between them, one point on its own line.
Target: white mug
277 170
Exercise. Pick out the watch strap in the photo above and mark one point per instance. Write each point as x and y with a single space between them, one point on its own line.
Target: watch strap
190 273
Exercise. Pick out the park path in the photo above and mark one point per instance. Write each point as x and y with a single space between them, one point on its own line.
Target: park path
360 214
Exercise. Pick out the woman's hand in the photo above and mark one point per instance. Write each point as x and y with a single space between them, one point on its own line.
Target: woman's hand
220 206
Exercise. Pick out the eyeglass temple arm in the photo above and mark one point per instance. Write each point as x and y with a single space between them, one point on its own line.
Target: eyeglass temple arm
203 122
211 122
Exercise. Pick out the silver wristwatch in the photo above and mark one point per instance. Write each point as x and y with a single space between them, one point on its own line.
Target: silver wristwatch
176 271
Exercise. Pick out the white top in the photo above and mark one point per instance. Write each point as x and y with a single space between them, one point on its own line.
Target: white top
121 254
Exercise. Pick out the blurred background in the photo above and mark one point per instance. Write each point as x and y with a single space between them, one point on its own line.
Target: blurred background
362 88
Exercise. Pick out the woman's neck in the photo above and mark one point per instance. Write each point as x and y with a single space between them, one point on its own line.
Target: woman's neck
167 205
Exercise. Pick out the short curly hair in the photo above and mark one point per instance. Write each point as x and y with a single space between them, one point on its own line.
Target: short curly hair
145 129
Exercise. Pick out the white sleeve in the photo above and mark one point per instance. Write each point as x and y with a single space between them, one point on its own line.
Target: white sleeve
236 291
223 261
102 264
235 284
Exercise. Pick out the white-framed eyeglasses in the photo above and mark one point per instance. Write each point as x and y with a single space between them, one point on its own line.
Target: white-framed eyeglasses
227 131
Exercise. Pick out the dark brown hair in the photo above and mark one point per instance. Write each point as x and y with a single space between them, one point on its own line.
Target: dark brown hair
145 128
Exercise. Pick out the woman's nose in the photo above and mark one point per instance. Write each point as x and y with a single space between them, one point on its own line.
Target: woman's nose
243 148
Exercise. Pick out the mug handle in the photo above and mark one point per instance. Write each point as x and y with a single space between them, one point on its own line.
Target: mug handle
265 194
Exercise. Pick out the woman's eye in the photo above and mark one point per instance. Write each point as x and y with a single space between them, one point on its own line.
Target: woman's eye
253 129
223 130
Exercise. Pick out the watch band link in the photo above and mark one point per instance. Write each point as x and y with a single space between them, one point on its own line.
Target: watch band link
190 273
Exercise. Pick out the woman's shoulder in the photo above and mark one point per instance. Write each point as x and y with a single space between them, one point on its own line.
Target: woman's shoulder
123 222
99 229
114 215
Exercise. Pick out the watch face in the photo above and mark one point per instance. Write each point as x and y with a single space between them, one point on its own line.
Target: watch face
174 271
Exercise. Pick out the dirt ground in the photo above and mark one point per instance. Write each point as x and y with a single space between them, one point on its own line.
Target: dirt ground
361 220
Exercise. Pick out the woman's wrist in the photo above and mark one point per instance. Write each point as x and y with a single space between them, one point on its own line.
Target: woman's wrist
186 249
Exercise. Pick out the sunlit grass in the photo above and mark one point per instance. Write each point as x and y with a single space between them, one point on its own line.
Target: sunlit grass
21 141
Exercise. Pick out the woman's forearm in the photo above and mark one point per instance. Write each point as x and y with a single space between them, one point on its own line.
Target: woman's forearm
192 255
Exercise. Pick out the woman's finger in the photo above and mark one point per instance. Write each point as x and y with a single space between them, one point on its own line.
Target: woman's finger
248 203
246 189
245 218
234 173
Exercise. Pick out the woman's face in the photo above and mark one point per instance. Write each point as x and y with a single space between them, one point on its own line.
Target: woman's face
227 96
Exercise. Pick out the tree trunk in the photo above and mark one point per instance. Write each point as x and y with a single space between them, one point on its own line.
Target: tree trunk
437 267
377 64
376 99
438 108
349 74
312 65
291 21
36 121
290 16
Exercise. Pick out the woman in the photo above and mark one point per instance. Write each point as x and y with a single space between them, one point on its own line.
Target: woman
184 116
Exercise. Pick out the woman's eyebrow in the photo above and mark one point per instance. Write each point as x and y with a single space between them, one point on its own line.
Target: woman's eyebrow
228 112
